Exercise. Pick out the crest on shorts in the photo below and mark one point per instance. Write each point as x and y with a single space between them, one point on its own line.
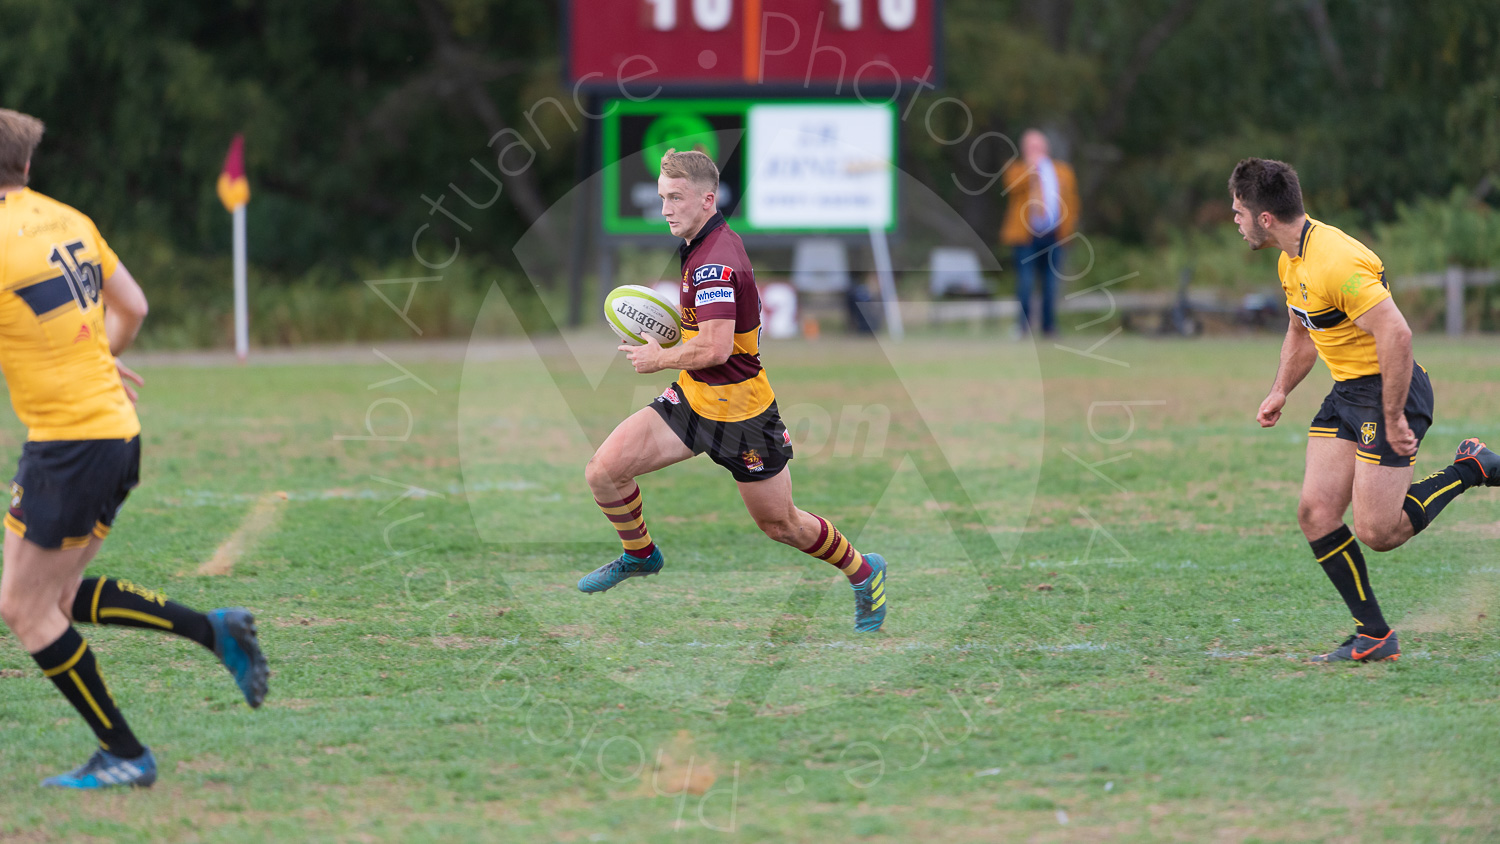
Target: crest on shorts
670 395
15 494
753 463
1367 433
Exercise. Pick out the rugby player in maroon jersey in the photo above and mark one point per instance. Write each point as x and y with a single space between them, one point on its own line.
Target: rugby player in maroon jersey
721 404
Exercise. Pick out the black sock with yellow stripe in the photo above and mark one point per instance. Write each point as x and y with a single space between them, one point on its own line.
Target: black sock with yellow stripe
104 600
70 665
1344 563
1427 497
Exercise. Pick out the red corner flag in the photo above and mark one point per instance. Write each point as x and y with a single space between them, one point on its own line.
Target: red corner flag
234 188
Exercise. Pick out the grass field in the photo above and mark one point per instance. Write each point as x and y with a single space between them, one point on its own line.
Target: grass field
1072 653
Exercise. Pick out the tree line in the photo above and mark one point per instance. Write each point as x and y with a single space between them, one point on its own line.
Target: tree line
353 112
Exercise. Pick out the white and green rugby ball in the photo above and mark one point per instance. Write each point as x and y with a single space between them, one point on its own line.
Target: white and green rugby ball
635 312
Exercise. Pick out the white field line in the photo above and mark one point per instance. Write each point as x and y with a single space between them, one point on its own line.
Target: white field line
261 519
1074 647
209 498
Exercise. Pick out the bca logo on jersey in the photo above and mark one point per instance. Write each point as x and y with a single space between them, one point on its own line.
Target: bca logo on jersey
712 272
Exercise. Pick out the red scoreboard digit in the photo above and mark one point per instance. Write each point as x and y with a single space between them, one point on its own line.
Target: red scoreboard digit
637 47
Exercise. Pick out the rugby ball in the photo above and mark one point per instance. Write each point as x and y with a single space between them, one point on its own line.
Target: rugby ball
635 312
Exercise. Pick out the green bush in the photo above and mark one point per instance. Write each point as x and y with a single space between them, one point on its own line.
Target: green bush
1433 232
192 302
1427 236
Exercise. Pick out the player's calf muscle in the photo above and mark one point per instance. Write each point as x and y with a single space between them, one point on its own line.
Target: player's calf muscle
1380 519
68 597
1385 533
783 529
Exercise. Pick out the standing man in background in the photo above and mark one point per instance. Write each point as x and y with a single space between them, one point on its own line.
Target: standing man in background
1043 210
67 308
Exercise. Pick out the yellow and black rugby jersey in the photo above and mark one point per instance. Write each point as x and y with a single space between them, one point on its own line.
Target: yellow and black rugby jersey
53 352
1334 281
718 283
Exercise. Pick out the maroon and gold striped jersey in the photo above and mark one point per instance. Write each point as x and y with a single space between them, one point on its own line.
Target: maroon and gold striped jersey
718 283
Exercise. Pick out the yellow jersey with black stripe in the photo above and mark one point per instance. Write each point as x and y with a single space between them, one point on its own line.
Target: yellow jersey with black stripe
53 351
1333 282
718 283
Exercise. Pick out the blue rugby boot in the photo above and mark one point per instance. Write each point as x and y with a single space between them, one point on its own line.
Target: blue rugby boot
869 597
106 770
610 575
237 646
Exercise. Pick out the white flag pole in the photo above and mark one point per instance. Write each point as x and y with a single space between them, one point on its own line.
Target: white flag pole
881 249
241 309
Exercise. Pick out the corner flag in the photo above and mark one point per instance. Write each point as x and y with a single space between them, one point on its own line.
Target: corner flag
234 188
234 192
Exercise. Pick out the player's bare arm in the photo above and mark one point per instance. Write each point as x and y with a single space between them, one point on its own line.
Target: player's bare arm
710 347
129 376
1392 336
1297 356
124 309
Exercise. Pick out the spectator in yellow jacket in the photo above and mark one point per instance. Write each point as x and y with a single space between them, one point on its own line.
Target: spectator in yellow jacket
1043 210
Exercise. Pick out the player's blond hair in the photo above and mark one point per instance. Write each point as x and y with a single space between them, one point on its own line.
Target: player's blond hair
19 135
692 165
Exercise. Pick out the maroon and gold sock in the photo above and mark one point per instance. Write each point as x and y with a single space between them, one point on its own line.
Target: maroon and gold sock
625 515
832 547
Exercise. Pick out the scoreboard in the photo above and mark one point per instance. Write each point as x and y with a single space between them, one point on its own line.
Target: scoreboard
860 47
786 166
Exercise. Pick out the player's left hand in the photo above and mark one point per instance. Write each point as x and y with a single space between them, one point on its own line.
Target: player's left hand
1270 409
1400 436
646 359
128 376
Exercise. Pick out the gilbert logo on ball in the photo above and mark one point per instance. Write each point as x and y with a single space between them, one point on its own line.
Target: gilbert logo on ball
635 312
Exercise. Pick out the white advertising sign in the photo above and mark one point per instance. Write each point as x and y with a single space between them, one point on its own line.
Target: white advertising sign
820 166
